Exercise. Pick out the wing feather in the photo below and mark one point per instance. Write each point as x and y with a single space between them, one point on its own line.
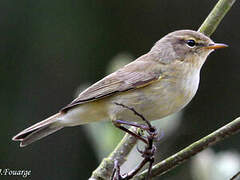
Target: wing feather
134 75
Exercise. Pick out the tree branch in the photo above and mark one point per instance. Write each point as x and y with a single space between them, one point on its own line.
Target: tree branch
215 17
125 146
236 176
178 158
104 170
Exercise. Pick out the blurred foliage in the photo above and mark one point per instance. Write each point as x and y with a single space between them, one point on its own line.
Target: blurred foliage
49 48
215 166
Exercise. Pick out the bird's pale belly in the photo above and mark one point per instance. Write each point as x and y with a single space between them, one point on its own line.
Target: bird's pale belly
154 101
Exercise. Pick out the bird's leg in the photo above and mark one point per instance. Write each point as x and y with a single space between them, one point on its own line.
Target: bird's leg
118 124
147 153
151 130
116 172
137 114
148 156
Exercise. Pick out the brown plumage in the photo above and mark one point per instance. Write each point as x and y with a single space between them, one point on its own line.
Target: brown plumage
156 84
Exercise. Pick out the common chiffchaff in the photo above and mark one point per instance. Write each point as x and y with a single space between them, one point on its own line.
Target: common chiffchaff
156 84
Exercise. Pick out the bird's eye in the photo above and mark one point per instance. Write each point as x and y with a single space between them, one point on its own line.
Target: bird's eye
191 43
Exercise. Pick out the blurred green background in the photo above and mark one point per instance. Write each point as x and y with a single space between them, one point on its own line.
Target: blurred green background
50 49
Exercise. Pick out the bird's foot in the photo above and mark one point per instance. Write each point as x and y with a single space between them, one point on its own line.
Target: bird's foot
147 153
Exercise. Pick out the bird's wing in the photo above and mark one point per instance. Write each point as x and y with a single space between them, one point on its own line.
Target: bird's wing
132 76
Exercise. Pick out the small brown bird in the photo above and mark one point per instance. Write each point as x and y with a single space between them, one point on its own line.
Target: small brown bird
157 84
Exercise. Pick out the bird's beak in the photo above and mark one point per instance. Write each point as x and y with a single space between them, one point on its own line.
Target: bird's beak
216 46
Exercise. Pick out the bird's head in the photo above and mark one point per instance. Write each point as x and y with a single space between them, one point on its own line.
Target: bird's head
185 46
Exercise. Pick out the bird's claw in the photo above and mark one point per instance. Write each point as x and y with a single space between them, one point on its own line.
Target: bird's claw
147 153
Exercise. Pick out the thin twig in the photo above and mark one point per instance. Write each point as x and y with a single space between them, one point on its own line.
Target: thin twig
235 176
178 158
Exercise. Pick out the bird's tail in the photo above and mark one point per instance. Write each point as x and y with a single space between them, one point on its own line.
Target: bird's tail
38 130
